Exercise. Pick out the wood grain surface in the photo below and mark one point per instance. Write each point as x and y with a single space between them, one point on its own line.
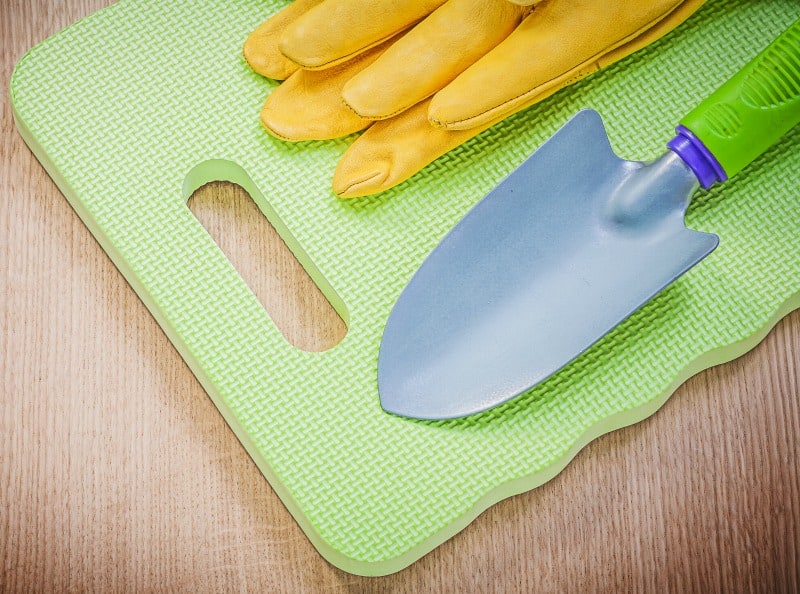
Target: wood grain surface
118 474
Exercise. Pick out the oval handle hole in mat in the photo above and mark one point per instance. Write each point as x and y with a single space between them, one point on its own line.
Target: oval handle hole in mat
292 299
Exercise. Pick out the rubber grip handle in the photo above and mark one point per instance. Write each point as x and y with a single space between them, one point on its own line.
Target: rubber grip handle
751 111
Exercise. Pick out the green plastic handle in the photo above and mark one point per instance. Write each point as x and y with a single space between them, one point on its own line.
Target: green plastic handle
755 108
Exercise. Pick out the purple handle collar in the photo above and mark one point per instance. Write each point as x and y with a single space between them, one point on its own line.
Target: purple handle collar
699 159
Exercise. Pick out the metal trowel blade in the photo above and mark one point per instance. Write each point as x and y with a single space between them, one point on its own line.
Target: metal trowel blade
565 248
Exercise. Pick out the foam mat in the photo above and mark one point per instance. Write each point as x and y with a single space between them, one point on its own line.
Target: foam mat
134 107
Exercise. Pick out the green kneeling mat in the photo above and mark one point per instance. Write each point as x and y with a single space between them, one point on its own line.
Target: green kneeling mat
133 108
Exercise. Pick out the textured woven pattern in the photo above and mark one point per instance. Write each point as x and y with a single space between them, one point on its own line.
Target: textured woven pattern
134 107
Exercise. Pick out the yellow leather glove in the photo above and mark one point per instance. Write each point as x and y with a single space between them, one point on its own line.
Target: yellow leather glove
424 76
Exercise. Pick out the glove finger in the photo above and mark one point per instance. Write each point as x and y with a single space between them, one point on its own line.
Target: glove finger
337 30
559 43
309 106
391 151
261 46
431 55
672 20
